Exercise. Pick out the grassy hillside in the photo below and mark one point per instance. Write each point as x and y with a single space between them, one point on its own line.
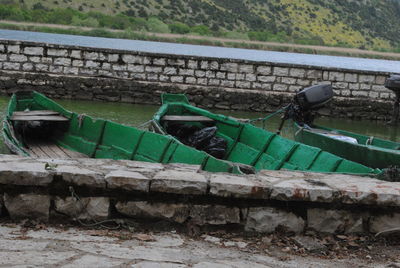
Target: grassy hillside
370 24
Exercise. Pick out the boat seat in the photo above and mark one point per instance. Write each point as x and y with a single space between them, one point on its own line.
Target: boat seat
186 118
38 115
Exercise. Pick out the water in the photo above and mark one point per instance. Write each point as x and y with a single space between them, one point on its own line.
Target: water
348 63
137 114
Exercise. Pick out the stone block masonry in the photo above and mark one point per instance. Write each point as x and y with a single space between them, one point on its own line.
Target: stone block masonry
137 77
99 189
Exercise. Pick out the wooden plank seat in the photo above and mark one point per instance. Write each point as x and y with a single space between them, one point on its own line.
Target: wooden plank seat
187 118
36 112
42 115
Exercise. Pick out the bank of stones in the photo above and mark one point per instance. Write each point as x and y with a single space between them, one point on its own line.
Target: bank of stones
138 77
99 189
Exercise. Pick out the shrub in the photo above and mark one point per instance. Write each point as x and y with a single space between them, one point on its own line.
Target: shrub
179 28
201 30
88 22
260 36
157 26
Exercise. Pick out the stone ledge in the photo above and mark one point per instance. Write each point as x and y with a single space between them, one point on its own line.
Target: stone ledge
180 57
182 179
261 203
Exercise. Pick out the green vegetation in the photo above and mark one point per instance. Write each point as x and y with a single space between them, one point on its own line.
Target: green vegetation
368 24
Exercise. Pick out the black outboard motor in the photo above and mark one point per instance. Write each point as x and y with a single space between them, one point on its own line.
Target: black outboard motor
305 102
393 83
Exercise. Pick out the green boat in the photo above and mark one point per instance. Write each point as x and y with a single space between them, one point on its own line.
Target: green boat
251 145
369 151
39 127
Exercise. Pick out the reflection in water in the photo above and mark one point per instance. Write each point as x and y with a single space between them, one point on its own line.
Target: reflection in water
136 114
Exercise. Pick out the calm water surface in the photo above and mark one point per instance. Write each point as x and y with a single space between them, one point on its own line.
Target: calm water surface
137 114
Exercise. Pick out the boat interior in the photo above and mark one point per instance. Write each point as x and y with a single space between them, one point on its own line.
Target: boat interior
357 138
38 130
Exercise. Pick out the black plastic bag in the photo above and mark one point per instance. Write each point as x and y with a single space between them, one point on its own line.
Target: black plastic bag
182 131
201 138
216 147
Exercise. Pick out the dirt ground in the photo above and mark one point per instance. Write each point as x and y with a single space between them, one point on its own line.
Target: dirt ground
30 244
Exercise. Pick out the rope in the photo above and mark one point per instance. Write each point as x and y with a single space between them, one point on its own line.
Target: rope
144 124
369 141
300 130
80 119
263 119
388 231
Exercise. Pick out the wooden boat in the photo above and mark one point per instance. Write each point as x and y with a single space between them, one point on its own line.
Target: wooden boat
369 151
251 145
39 127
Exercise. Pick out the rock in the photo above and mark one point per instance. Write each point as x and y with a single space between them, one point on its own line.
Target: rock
127 180
184 167
67 235
212 239
233 264
145 168
169 240
93 261
359 190
34 258
1 205
241 244
175 212
87 208
214 214
267 220
382 223
149 264
267 240
392 265
81 176
179 182
238 186
33 50
28 206
138 252
304 189
334 221
310 244
229 244
22 245
25 173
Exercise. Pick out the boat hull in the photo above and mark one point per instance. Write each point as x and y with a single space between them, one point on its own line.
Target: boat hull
369 151
257 147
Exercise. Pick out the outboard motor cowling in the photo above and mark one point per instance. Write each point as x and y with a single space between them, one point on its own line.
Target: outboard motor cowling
393 83
314 96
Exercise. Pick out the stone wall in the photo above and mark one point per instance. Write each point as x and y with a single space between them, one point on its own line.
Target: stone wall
233 84
98 189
